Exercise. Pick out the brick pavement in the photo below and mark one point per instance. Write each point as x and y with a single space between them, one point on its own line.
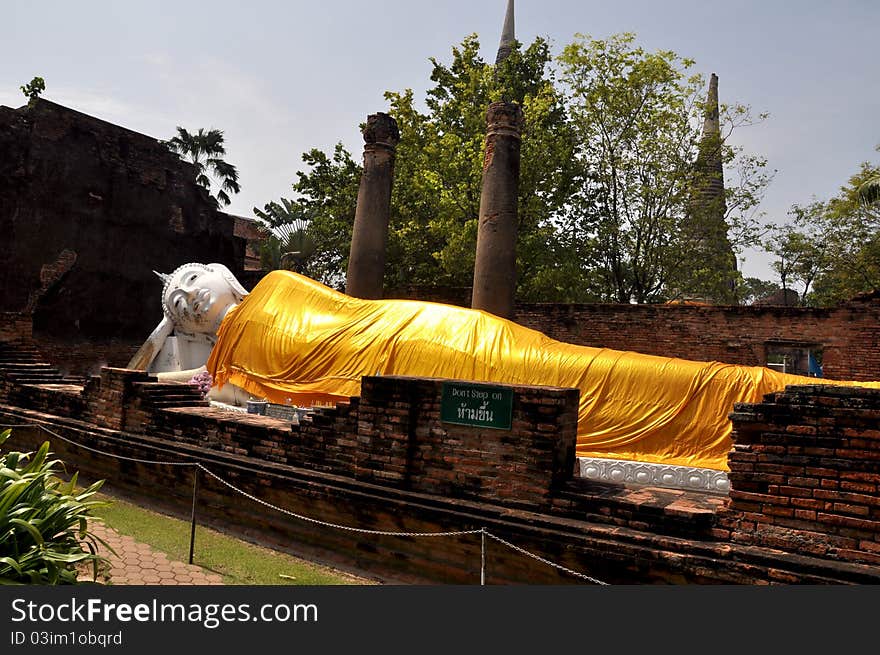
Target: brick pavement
136 563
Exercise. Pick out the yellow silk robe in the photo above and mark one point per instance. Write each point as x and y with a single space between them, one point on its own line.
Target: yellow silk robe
294 340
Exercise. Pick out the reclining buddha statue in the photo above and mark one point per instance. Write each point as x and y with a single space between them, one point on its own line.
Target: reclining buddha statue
195 299
292 339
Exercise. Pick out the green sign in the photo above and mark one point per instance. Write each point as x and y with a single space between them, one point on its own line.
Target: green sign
477 405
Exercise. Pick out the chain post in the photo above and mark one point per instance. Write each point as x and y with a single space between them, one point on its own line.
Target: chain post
483 556
192 533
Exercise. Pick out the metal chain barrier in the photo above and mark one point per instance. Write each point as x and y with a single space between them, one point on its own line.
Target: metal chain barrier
99 452
335 525
545 561
387 533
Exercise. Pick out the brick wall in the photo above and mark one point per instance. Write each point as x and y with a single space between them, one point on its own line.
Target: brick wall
15 326
848 335
254 234
67 401
72 356
402 441
108 396
805 473
392 435
86 357
801 449
445 560
90 209
460 296
323 441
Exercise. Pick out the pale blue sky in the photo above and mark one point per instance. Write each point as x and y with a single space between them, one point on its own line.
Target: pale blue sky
282 77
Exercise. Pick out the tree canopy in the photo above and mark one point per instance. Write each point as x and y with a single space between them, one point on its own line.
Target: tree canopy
831 249
607 166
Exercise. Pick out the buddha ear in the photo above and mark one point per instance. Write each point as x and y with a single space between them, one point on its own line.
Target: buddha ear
233 282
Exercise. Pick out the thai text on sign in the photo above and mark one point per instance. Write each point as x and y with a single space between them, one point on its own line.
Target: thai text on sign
477 405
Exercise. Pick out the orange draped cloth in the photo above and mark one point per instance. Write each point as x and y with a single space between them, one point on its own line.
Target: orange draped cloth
294 340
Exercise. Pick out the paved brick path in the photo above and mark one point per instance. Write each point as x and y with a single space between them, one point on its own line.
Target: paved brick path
139 564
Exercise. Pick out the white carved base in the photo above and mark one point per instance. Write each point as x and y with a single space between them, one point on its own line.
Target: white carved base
653 475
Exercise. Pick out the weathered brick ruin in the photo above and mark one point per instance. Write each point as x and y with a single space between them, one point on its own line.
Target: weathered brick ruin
804 505
805 473
848 336
91 209
87 211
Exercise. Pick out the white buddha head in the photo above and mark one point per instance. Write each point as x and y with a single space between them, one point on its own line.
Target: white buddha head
196 297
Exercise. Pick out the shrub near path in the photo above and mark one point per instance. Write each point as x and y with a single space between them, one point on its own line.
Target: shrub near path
44 521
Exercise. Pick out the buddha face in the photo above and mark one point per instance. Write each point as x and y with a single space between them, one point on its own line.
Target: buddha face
196 297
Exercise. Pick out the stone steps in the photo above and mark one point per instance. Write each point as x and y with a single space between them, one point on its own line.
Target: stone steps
181 403
164 388
26 358
21 363
162 395
38 379
25 366
18 351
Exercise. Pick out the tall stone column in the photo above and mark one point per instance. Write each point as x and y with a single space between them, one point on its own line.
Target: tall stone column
366 260
495 266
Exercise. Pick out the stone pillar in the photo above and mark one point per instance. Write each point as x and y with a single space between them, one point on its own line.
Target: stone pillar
366 260
495 265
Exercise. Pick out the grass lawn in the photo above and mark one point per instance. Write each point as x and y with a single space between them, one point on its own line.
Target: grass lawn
239 562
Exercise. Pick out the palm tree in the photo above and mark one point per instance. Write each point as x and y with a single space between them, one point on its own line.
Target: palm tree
204 149
290 244
869 191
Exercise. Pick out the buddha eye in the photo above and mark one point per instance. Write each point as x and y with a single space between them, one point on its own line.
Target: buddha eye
192 278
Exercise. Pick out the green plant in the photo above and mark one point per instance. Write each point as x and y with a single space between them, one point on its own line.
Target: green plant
290 244
44 532
34 88
203 150
869 191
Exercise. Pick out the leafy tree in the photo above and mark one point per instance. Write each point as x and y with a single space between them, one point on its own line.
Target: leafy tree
638 119
606 172
204 150
33 89
327 194
852 229
438 174
438 177
802 247
832 248
870 190
279 213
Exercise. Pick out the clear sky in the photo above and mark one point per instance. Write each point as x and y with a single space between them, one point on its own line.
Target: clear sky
282 77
